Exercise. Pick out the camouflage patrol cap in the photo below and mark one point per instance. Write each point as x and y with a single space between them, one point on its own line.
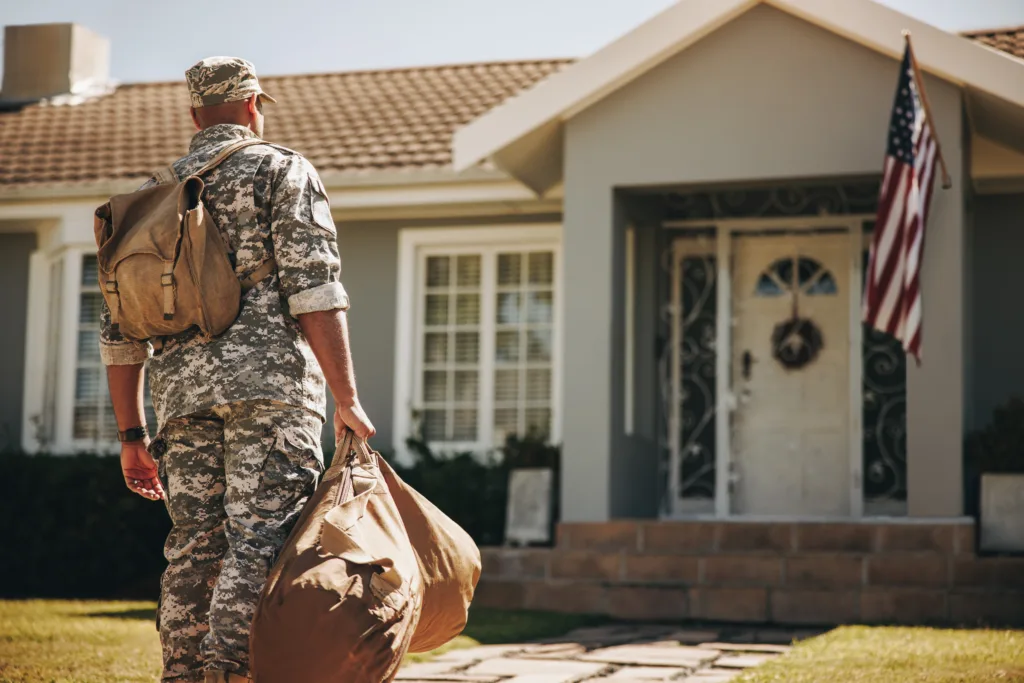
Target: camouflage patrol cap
216 80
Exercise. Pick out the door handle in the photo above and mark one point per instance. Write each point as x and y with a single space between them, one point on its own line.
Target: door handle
748 361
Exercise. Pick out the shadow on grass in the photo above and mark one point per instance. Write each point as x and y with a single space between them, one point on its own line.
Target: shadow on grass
495 627
140 614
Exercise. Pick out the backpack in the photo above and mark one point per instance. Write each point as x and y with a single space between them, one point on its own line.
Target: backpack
163 265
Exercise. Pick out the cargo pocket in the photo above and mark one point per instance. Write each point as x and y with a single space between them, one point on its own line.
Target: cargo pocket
290 471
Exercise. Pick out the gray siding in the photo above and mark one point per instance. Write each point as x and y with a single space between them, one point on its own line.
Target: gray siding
369 252
772 98
15 250
998 278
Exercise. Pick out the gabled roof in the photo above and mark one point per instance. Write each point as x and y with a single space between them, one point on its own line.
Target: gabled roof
356 122
1009 40
523 136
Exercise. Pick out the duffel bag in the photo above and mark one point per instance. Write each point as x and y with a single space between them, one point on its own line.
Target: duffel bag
342 601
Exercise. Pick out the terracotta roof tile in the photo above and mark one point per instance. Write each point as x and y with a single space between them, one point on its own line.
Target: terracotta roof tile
356 121
1006 39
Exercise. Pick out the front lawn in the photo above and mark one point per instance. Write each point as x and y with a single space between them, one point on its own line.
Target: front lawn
103 642
49 641
862 654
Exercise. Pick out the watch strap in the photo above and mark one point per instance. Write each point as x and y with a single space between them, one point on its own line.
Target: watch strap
133 434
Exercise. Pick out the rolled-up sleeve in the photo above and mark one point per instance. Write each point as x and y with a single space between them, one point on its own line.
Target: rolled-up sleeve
305 240
115 349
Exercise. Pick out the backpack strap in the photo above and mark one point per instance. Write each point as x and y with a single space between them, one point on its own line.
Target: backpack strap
167 285
228 151
253 278
166 175
115 311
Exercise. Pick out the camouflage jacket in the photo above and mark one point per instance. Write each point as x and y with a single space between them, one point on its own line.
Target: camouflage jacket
267 203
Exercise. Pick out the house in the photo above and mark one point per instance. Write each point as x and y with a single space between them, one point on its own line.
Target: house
600 251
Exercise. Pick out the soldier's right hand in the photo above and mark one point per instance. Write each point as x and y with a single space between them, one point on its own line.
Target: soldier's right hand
353 417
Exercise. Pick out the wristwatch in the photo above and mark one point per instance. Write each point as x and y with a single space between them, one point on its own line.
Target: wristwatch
133 434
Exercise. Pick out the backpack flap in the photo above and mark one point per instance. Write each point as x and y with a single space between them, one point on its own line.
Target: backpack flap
148 222
138 236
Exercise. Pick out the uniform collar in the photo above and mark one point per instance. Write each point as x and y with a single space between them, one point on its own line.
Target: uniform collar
218 135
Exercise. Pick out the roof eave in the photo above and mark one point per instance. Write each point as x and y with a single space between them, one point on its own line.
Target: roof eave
503 131
333 180
587 81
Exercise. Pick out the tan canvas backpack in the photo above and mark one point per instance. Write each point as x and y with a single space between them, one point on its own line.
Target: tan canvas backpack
163 265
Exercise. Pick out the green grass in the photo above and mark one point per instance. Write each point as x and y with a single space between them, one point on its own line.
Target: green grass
114 642
861 654
78 642
44 641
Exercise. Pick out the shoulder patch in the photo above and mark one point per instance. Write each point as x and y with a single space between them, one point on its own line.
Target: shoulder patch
320 205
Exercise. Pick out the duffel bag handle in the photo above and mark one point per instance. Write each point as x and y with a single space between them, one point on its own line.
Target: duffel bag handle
349 450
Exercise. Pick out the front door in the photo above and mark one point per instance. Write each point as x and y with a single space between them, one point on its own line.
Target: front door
791 373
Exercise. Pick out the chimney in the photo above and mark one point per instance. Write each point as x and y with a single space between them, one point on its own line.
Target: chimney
47 60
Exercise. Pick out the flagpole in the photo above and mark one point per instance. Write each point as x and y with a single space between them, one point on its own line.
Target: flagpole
947 182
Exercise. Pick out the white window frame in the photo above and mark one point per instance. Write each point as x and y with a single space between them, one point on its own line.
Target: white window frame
61 335
413 245
68 369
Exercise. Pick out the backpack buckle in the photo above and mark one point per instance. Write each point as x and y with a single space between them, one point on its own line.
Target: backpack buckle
167 279
110 286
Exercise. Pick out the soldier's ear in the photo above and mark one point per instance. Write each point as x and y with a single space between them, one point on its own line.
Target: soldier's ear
254 106
195 119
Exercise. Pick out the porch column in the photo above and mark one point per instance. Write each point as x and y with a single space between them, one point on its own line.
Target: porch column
592 414
935 390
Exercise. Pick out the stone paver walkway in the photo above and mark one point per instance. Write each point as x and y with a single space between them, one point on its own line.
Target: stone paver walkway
619 654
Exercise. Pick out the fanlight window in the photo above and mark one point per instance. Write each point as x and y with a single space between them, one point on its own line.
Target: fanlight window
811 278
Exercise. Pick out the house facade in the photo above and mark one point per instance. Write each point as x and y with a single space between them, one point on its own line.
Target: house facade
599 251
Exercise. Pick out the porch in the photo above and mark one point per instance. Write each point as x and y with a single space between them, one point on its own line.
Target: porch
791 573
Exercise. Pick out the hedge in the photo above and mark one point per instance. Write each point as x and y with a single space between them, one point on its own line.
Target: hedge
70 529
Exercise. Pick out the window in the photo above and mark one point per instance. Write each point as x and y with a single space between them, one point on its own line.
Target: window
93 419
813 279
523 344
485 327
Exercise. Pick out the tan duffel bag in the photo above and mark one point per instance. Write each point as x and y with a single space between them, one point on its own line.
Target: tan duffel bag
343 600
449 562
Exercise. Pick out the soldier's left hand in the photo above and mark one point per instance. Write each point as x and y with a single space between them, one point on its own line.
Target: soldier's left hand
140 470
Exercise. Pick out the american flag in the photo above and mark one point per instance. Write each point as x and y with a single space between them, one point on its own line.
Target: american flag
892 296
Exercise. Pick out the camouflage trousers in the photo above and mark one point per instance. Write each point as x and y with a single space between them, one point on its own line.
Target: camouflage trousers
236 479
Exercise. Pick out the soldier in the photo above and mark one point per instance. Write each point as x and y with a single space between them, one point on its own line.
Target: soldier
238 453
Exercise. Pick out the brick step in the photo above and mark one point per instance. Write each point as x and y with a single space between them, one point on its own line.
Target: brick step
754 605
949 538
797 570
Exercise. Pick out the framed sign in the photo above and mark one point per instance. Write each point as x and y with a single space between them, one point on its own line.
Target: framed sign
529 506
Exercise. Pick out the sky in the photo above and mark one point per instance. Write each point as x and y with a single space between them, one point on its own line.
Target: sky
157 41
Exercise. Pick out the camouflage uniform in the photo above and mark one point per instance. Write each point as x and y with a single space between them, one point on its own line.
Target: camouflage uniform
240 415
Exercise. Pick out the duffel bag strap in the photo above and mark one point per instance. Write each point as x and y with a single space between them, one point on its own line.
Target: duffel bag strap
350 449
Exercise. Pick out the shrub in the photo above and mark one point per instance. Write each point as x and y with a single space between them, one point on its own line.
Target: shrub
999 447
70 528
472 491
